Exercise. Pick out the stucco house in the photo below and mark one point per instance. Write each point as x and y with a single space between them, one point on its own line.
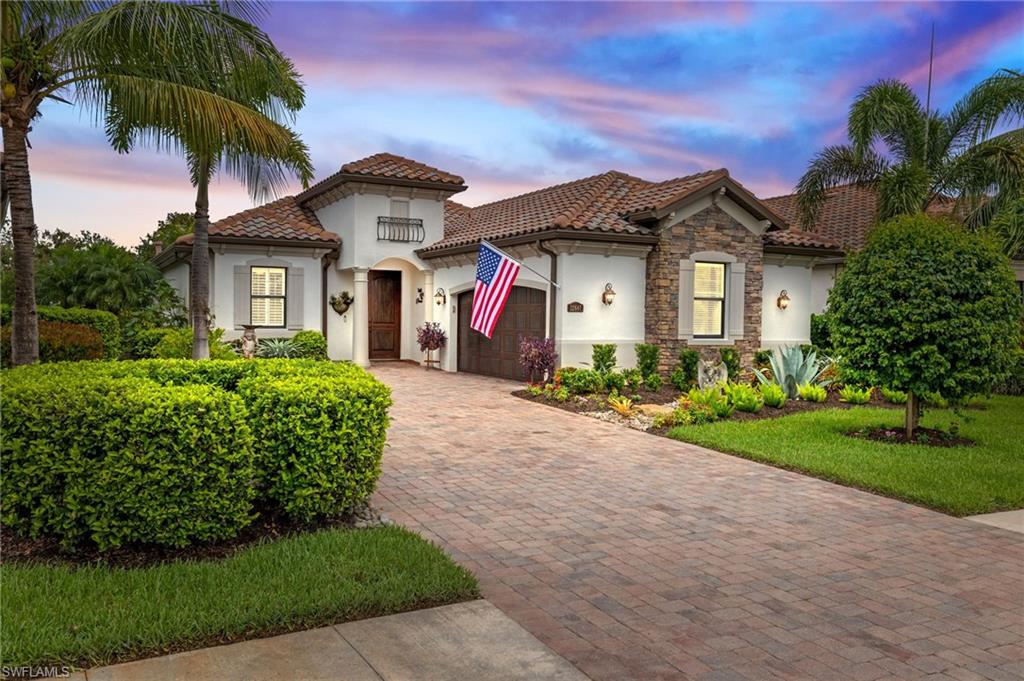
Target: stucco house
696 261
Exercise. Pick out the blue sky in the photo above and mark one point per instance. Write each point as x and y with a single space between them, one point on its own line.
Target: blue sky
516 96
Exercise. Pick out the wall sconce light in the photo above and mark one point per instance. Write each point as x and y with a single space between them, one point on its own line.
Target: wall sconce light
419 295
783 300
609 294
439 297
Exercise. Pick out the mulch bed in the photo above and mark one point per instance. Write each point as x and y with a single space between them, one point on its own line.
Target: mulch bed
21 550
922 436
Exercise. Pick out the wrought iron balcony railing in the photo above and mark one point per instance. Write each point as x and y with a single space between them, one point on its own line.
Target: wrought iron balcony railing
400 229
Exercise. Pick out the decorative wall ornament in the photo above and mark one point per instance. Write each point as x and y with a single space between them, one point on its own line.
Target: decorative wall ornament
575 307
341 302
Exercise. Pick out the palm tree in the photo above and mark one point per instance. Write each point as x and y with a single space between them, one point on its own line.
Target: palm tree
928 155
256 147
159 62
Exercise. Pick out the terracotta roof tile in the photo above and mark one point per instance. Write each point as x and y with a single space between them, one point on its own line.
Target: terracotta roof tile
659 194
848 214
398 167
281 219
798 238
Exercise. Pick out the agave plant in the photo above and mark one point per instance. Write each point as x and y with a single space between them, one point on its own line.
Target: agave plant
791 368
281 348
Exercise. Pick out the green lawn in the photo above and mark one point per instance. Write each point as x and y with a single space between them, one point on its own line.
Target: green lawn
96 615
957 480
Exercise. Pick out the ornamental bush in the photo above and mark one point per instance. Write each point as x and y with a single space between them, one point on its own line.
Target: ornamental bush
647 355
81 440
59 342
177 344
114 461
310 344
104 323
582 381
685 375
602 358
926 307
538 358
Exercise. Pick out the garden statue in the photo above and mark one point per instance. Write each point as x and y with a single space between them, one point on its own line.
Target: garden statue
709 374
249 343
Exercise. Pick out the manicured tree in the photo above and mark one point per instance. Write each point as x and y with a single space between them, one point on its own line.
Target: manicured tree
926 307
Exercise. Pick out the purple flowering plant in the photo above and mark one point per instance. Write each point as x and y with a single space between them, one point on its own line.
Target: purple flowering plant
431 336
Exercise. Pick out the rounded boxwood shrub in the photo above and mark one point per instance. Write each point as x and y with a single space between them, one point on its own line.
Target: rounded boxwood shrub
321 436
309 344
90 458
103 322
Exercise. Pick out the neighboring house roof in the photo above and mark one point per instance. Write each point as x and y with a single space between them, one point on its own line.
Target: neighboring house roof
281 220
385 168
848 214
609 204
799 239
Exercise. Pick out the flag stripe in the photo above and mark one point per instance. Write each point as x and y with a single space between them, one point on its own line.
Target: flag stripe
506 273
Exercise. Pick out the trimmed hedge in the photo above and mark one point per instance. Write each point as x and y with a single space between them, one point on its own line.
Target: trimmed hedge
310 344
116 461
59 342
105 323
210 442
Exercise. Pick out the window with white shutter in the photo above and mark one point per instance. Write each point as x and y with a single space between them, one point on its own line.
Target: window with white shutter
267 296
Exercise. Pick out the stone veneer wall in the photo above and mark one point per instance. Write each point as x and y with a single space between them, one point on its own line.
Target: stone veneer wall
712 229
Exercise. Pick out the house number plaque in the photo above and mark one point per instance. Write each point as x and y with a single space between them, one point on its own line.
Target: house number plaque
575 307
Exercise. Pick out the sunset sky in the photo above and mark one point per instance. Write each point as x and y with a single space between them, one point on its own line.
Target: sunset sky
518 96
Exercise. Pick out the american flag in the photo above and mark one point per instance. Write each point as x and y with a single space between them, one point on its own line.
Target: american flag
495 274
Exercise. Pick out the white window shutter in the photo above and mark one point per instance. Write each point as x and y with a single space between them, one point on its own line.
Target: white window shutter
293 292
243 291
686 269
735 299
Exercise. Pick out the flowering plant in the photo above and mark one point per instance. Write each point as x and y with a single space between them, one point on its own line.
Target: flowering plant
431 336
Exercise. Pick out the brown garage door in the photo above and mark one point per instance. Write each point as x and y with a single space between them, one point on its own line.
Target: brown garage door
523 316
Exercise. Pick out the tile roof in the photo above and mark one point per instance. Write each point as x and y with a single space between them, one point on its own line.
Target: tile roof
392 166
848 214
600 203
281 219
799 239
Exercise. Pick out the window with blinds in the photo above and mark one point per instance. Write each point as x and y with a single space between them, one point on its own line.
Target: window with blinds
708 300
267 296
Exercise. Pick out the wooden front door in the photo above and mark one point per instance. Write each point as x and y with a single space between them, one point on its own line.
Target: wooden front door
385 314
524 315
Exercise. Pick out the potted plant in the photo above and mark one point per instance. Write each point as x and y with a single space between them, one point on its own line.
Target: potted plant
431 337
341 302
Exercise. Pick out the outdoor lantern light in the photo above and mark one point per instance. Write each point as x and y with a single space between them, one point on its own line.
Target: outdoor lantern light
440 298
783 300
609 294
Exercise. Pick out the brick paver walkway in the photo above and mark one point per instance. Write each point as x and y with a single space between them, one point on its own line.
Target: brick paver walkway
640 558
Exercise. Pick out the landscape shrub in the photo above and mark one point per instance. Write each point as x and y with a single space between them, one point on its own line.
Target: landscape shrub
177 344
690 413
820 335
812 393
275 348
538 358
792 366
714 399
731 358
744 397
614 380
1014 383
319 426
141 344
104 323
685 375
320 439
602 358
582 381
773 395
894 396
653 382
762 359
310 344
111 461
855 395
634 379
59 342
647 356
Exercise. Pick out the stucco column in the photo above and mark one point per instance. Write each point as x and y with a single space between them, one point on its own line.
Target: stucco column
428 296
361 317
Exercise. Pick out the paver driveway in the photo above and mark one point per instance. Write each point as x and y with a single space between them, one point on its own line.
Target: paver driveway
636 557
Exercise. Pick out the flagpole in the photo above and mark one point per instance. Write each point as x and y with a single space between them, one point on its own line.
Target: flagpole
490 245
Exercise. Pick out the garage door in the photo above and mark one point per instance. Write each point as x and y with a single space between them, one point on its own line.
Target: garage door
524 315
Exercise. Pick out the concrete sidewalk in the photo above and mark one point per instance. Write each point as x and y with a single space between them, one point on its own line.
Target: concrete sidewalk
471 640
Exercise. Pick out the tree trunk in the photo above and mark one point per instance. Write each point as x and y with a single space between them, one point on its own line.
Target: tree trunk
199 273
913 415
24 323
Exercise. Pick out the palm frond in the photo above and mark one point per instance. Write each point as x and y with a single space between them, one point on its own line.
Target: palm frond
996 101
888 110
832 167
904 189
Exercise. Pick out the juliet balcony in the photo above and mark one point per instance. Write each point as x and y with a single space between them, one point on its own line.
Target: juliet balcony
408 230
